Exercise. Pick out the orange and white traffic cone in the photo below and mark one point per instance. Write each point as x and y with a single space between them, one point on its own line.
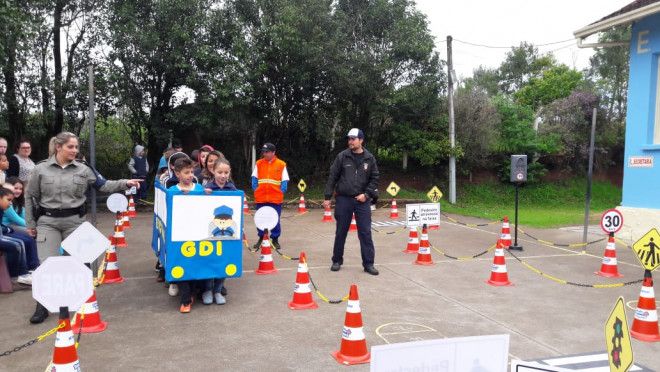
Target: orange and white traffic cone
301 204
353 348
505 236
424 251
353 226
413 241
126 222
609 267
645 324
498 273
266 264
111 274
327 215
65 356
90 316
246 207
118 239
302 291
394 211
132 213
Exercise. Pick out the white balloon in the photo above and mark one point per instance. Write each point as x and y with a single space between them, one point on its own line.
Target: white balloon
266 218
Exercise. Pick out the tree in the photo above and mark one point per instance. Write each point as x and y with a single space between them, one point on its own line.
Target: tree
520 65
477 121
554 83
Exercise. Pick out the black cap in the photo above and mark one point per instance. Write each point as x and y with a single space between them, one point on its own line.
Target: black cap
268 147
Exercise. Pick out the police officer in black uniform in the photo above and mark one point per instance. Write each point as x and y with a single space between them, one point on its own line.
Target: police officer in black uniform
354 180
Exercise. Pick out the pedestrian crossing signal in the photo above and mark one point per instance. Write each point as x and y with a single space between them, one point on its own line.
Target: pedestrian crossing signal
434 194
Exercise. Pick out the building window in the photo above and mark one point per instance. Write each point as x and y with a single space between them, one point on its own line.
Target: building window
656 126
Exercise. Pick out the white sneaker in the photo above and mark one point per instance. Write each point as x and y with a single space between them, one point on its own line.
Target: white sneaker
173 290
25 279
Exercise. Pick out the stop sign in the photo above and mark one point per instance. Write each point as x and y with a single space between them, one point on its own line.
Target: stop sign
86 243
62 281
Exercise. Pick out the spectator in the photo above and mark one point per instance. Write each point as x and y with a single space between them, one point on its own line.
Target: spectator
20 165
139 168
3 145
200 167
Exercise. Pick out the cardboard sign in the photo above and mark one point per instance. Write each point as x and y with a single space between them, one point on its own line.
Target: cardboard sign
617 339
480 353
302 185
647 250
62 281
425 213
198 236
117 203
86 243
434 194
611 221
393 189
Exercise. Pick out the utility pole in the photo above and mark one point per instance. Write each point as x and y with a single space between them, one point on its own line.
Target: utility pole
92 137
452 140
590 172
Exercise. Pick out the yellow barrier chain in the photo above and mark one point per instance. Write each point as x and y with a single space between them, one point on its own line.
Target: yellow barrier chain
562 281
321 295
572 245
33 341
464 258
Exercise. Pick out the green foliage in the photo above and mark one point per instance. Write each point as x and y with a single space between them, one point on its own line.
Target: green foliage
114 148
555 83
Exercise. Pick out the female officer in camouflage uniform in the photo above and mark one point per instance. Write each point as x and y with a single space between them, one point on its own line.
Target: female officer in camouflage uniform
56 193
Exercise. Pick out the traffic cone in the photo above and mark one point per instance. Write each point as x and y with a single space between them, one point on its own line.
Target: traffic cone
353 226
301 204
645 324
302 292
246 207
126 222
353 348
327 215
505 237
609 266
394 211
498 273
424 251
65 357
90 316
118 238
111 274
132 213
266 264
413 241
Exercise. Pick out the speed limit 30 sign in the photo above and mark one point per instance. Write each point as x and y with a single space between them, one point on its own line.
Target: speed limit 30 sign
611 221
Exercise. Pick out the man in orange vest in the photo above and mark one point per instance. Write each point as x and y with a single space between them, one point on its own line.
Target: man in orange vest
269 182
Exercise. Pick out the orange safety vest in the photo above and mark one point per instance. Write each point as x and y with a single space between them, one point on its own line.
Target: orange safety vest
269 176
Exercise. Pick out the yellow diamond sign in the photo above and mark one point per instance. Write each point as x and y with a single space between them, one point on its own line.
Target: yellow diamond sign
434 194
302 185
393 189
617 339
647 250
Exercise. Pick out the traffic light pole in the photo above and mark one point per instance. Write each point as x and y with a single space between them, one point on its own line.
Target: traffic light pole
515 245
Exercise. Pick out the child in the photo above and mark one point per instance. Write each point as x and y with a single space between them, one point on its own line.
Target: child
183 170
4 165
207 173
20 235
14 216
139 168
14 249
169 178
214 288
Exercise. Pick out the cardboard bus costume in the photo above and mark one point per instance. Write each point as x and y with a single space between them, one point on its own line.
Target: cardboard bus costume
197 235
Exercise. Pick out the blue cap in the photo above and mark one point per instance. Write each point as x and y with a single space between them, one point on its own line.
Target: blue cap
223 211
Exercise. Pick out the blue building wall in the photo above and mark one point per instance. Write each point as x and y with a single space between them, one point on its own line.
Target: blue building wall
641 185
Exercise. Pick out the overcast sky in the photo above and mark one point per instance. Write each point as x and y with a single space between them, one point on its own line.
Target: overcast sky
507 23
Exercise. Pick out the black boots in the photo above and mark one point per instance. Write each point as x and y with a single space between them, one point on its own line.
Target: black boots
40 314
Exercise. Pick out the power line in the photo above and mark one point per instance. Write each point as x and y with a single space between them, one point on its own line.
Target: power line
511 46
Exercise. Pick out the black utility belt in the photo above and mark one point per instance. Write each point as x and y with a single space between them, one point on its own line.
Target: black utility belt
63 212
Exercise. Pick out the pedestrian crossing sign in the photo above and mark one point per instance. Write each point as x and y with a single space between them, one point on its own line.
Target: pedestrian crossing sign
393 189
647 250
302 185
434 194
